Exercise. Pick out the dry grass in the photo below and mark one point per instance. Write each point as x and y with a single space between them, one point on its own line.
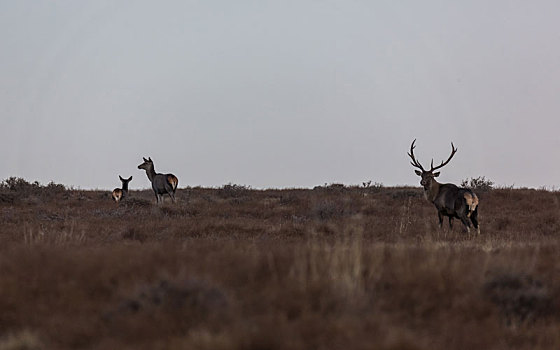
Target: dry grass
235 268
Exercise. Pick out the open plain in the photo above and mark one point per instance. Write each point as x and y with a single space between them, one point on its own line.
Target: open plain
334 267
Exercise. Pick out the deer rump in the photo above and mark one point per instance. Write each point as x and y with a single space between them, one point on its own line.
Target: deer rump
161 184
173 181
453 201
117 194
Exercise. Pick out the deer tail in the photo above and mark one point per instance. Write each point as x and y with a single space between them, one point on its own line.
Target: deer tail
117 194
472 202
173 181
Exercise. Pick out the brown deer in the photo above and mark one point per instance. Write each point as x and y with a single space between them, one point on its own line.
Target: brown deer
161 183
121 193
449 200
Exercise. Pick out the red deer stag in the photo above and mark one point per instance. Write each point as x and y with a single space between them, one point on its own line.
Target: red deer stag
449 200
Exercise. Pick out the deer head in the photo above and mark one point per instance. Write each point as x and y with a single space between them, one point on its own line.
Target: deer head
147 165
428 176
125 180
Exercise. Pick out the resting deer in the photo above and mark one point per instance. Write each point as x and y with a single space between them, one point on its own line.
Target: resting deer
449 200
121 193
161 183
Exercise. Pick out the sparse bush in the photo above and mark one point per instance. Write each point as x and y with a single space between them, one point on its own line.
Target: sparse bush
233 191
333 187
369 185
480 183
52 187
20 185
18 188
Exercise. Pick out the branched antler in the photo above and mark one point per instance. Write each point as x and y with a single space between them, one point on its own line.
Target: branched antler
415 163
453 151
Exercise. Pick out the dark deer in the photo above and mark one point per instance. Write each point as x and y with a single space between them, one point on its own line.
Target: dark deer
450 200
161 183
121 193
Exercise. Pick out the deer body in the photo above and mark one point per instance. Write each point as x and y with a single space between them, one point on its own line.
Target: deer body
449 199
454 202
120 193
161 183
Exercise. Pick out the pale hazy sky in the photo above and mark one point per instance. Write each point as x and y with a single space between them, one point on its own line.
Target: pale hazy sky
279 93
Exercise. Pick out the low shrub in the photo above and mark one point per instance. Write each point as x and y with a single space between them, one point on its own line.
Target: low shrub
14 188
480 183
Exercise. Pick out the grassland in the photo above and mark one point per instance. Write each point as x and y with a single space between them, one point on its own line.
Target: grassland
233 268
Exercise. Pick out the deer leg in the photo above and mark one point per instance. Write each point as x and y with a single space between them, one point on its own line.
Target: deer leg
159 198
466 222
440 217
474 219
170 192
450 223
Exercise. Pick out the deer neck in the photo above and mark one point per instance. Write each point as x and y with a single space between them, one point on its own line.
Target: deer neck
125 187
431 192
151 172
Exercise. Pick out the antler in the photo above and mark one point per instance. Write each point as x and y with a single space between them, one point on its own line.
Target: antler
415 163
453 151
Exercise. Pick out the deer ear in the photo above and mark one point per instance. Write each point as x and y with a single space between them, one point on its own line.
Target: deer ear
144 159
149 159
436 174
418 172
121 178
130 178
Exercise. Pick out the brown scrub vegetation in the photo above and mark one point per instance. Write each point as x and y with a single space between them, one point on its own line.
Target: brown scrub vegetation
236 268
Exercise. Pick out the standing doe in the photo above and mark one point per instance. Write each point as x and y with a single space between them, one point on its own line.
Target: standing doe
449 200
161 183
121 193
